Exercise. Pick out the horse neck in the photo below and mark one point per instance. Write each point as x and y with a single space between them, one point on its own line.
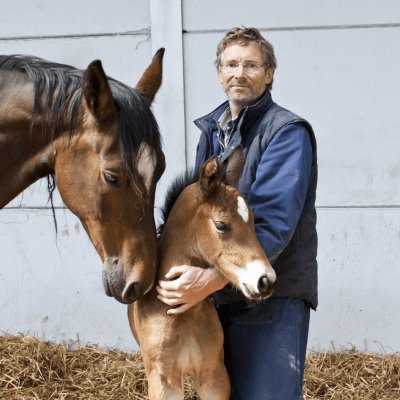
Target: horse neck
25 155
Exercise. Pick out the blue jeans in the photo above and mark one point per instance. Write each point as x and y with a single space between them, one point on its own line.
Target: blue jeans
265 348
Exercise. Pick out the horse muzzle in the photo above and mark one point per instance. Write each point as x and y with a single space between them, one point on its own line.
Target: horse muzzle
259 281
116 286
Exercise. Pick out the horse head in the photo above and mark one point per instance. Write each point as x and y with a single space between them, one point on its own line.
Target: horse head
107 176
219 227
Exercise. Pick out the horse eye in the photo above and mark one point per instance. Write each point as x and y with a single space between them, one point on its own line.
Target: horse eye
220 226
110 179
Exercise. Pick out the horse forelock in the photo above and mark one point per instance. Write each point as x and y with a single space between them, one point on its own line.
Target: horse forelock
137 126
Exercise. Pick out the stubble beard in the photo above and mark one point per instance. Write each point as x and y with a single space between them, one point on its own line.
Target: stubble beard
240 99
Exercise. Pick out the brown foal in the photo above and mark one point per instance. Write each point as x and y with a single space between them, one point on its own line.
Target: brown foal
209 226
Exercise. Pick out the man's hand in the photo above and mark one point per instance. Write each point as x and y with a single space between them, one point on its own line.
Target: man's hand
193 285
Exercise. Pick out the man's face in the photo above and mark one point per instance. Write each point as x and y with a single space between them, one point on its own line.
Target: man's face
243 87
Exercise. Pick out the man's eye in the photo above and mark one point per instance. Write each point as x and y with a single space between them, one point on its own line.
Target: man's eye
232 65
110 179
251 65
220 226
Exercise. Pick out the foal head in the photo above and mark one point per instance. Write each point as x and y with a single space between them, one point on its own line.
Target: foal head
217 225
107 176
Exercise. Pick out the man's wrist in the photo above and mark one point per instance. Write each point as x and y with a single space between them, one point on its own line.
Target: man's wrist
218 280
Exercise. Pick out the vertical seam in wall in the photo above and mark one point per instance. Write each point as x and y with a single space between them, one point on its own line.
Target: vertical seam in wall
184 98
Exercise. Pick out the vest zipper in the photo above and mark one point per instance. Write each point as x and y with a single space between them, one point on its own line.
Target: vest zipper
223 146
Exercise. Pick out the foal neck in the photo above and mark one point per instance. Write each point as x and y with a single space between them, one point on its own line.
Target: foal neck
178 244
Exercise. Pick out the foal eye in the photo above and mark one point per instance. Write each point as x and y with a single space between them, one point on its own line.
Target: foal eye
110 179
220 226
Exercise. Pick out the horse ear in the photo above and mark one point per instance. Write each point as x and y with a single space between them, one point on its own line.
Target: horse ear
97 91
150 82
234 167
210 176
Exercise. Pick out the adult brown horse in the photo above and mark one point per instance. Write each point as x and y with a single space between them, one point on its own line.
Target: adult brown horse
210 224
99 141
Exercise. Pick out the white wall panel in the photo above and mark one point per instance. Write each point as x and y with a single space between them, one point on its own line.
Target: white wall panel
27 18
52 285
205 15
344 82
358 260
166 31
124 58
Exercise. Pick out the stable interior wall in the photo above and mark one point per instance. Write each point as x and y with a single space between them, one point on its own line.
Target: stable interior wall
337 67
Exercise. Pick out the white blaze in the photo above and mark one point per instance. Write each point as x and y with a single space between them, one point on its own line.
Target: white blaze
146 165
243 211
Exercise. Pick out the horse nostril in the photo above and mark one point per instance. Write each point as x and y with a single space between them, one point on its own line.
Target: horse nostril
106 284
131 292
264 285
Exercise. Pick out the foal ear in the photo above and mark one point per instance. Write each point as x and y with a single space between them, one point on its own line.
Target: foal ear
150 82
234 167
97 91
210 176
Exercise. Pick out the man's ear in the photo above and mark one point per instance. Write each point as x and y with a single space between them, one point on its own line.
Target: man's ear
270 75
210 176
234 167
220 74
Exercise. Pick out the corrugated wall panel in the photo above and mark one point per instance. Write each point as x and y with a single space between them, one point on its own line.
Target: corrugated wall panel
358 258
27 18
204 15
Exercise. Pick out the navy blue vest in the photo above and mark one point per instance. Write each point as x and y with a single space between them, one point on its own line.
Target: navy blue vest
296 266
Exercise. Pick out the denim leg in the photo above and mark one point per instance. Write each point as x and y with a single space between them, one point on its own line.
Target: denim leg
265 348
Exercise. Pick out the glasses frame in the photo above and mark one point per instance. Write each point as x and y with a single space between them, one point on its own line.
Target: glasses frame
233 69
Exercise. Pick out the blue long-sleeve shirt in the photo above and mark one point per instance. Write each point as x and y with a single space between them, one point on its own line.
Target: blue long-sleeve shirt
278 194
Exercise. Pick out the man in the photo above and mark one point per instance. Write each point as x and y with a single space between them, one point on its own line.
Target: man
265 344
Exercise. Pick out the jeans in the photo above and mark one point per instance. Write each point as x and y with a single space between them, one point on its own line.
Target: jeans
265 348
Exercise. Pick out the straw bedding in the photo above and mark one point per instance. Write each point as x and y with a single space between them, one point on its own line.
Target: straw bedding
34 369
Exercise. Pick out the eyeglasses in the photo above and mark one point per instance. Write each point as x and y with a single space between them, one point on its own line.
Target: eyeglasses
249 67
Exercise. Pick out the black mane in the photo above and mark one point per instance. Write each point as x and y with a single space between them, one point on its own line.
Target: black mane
62 86
176 188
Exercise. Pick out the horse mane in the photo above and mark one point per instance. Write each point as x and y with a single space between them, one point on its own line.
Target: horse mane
62 88
176 188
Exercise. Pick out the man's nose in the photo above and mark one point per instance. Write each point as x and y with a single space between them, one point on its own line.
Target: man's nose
240 71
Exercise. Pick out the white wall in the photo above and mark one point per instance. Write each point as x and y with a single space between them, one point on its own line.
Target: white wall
337 67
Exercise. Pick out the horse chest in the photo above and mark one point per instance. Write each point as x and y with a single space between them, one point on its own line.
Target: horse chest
190 355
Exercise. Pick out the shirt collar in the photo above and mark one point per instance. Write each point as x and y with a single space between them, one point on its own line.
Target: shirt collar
226 123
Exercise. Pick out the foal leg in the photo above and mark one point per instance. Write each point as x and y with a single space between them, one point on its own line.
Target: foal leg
162 387
214 386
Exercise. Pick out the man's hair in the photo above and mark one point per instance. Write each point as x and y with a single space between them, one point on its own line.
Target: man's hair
244 37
